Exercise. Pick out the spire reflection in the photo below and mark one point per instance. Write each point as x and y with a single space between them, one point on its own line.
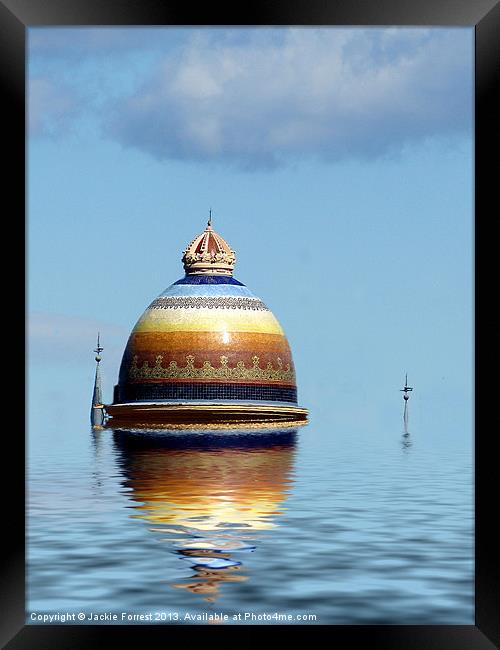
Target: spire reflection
406 442
210 492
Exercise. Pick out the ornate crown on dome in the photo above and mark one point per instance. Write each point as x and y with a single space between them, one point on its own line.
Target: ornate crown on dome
209 254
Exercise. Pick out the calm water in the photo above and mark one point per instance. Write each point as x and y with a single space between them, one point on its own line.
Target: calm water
347 526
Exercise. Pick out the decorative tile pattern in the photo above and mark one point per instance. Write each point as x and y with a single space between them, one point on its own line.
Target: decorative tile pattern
205 289
151 392
207 371
209 279
209 302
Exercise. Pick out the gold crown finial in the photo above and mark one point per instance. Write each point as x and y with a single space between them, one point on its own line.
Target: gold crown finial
209 254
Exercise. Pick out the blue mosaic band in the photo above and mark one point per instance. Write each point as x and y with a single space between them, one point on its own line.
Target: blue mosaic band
208 279
150 392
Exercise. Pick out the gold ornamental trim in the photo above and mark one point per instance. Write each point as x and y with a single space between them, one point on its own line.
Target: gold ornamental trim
207 371
226 257
218 426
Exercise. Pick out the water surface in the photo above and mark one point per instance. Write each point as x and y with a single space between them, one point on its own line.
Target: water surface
345 527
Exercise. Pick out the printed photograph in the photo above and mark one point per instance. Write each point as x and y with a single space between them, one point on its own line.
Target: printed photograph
250 326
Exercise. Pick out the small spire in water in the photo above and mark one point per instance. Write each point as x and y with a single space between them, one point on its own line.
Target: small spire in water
405 390
97 409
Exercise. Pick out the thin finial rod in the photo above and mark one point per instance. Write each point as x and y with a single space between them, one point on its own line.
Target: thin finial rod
210 217
99 348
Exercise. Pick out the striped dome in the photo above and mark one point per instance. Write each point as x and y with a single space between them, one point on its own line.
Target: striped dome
207 338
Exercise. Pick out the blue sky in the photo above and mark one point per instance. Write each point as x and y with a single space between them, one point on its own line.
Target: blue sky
338 163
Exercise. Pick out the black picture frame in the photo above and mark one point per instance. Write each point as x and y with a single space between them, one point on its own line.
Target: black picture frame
16 16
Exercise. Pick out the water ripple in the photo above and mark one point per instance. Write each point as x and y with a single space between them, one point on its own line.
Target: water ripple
351 530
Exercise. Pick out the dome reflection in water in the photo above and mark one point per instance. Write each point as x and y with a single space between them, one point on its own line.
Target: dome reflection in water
208 493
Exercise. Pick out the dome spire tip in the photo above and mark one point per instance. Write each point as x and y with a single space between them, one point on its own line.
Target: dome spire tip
209 254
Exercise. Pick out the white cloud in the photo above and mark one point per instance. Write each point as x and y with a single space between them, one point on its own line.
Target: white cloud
257 97
327 92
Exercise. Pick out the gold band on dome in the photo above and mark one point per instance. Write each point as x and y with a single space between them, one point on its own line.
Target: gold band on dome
222 426
199 343
208 320
207 371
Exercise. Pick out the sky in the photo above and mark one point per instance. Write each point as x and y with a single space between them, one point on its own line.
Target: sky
338 164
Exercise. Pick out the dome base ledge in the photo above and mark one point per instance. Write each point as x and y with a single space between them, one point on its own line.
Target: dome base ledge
145 413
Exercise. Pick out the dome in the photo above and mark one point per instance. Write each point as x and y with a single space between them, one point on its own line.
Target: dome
208 340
